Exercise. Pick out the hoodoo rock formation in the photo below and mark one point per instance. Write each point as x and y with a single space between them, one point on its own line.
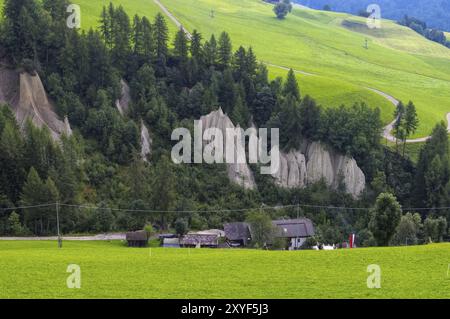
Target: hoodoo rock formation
26 95
310 163
320 163
124 101
238 173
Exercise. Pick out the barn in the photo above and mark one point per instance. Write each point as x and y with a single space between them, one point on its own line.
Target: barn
237 234
137 238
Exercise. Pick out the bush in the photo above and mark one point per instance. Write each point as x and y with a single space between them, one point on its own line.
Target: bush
149 230
14 225
181 226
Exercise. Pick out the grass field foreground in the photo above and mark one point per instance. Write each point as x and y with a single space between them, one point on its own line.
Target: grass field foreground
37 269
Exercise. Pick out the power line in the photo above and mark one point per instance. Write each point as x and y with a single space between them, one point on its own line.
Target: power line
264 207
26 207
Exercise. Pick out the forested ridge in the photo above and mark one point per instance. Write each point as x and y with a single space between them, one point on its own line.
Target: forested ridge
172 83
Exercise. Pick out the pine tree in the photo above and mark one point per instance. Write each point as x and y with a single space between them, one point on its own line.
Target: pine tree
196 45
263 106
149 49
161 36
239 63
251 63
121 39
106 26
411 120
210 51
398 129
224 50
180 44
138 36
291 86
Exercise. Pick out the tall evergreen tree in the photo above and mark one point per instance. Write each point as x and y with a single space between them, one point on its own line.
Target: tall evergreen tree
210 51
149 49
181 49
291 86
161 36
224 50
196 45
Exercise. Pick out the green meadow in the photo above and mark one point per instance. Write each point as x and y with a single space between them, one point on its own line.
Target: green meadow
38 269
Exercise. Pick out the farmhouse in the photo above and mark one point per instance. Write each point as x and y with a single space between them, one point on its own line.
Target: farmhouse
237 234
137 238
295 230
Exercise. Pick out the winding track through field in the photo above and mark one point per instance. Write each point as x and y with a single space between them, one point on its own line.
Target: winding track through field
386 130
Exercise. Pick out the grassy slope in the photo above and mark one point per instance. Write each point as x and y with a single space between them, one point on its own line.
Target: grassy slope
110 270
91 9
398 61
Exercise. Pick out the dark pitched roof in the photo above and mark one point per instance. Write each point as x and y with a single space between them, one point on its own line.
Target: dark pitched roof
202 239
237 231
301 227
137 235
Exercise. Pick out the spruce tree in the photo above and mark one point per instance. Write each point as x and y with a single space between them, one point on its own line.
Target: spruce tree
196 45
161 36
224 50
291 86
180 44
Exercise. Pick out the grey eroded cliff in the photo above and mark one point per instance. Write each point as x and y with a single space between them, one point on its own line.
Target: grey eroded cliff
238 173
28 99
314 162
310 163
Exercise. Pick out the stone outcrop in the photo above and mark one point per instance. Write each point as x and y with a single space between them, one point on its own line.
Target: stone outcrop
28 99
146 142
123 103
310 163
320 163
238 173
292 170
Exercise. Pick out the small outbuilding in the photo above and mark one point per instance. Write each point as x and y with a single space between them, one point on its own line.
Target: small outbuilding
237 234
137 238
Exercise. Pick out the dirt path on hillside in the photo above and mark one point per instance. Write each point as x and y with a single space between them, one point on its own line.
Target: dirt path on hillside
386 130
173 18
118 236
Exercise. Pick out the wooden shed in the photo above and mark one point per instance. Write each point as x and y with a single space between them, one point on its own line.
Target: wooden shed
237 234
137 238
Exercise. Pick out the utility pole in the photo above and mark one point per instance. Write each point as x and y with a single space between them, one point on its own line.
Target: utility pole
57 226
